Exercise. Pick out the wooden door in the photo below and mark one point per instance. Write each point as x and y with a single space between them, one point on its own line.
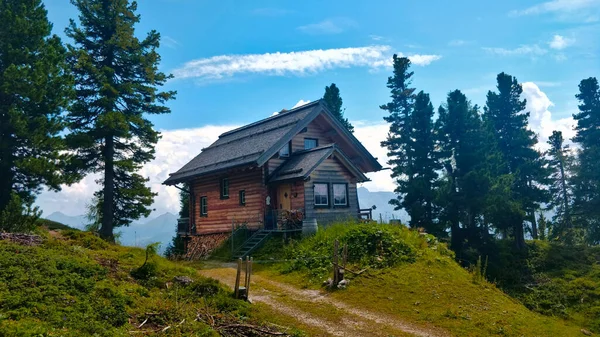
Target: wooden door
284 195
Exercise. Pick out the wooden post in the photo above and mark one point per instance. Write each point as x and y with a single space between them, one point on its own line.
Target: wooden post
335 262
246 276
237 278
249 274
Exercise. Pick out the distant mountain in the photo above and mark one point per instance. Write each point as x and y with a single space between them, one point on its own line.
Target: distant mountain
380 200
78 221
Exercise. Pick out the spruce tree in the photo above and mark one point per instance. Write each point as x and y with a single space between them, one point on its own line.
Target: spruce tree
419 193
117 82
559 162
333 102
520 165
35 88
398 139
587 172
460 136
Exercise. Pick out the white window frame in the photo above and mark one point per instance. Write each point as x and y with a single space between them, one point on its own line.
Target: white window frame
344 187
224 188
316 143
203 206
326 195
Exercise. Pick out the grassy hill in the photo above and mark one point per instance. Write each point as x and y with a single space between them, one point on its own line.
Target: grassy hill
409 276
74 284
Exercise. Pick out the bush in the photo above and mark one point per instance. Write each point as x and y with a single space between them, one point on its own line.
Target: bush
19 217
149 270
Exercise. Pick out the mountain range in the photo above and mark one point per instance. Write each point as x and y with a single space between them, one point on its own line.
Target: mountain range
162 228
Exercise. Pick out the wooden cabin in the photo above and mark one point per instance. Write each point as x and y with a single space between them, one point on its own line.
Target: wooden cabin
272 175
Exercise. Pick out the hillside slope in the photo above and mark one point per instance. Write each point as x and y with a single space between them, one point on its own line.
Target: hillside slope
74 284
410 277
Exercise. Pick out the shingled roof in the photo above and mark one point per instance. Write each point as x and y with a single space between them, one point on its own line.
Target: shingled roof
244 145
255 143
302 163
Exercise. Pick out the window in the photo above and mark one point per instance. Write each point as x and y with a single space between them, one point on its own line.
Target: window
285 150
203 206
321 195
310 143
225 188
243 198
340 197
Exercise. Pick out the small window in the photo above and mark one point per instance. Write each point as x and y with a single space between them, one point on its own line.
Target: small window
225 188
242 198
285 150
340 197
203 206
310 143
321 195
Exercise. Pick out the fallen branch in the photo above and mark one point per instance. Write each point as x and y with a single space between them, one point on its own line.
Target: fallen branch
22 239
255 328
144 322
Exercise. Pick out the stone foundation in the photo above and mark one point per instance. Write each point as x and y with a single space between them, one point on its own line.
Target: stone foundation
201 246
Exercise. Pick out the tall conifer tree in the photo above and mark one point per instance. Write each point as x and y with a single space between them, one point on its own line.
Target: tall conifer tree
460 137
520 164
333 101
117 82
559 161
35 88
587 172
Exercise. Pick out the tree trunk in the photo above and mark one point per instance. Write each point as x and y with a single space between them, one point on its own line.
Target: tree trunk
519 236
563 181
106 231
534 228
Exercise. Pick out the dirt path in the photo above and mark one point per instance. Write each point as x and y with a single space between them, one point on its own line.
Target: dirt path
317 310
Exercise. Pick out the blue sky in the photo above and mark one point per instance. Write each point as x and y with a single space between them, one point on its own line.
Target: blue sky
239 61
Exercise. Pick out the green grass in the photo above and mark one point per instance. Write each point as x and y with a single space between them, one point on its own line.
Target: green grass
53 225
411 277
75 284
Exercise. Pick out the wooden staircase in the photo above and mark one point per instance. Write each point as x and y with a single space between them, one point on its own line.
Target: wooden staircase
252 244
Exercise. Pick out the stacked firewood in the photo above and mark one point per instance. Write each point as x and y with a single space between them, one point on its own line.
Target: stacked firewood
201 246
22 239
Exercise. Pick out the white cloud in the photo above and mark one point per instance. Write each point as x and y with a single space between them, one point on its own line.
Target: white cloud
294 63
531 50
170 42
329 26
458 43
540 119
371 135
560 42
556 6
300 103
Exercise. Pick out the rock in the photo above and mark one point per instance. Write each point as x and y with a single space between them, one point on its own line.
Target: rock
586 332
328 282
183 280
343 284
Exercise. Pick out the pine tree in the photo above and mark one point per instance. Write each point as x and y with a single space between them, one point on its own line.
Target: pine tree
419 193
176 247
117 82
398 139
587 173
520 164
543 227
460 135
35 88
333 102
559 162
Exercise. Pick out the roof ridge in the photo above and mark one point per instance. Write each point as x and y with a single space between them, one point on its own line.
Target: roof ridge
270 118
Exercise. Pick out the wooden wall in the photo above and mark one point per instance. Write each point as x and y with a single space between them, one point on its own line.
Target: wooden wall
331 171
313 130
222 212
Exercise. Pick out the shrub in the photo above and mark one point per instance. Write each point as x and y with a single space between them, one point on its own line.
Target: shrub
19 216
148 270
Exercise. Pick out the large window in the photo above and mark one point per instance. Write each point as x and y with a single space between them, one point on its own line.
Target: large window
203 206
225 188
340 197
321 194
310 143
285 150
243 198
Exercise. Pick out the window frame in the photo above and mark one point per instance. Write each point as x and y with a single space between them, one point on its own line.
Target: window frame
347 202
203 206
308 138
222 186
242 194
289 150
315 196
